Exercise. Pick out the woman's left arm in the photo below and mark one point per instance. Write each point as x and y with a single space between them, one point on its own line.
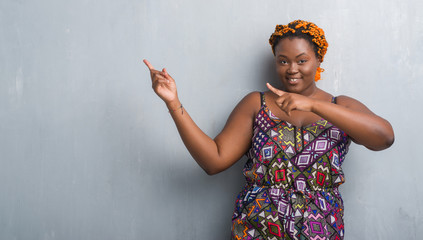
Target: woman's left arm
350 115
355 119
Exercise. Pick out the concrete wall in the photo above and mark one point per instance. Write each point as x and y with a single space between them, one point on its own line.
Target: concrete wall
87 151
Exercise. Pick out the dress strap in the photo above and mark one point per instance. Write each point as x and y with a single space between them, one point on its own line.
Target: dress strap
262 100
334 100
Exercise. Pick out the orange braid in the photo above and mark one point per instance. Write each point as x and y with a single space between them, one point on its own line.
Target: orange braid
309 28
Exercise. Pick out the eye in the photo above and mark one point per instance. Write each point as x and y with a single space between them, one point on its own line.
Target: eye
283 62
302 61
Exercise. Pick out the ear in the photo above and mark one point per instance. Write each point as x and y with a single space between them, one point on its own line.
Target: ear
318 63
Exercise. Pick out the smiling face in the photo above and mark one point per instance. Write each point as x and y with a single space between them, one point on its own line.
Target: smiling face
296 65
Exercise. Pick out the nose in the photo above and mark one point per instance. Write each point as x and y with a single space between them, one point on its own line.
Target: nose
292 69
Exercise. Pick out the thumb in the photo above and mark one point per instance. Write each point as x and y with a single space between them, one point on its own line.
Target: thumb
275 90
166 74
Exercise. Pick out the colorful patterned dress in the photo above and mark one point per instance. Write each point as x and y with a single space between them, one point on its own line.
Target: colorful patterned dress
292 174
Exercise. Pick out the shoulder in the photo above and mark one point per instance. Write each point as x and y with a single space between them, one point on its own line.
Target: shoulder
250 104
352 103
252 96
252 99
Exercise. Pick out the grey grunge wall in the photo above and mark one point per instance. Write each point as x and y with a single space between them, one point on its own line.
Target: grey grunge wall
87 151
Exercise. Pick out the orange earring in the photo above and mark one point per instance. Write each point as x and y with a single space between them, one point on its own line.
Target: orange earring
319 70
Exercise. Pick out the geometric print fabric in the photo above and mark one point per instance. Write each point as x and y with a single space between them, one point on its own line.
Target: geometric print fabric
293 175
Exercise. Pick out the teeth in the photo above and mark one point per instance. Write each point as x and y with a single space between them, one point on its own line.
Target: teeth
293 79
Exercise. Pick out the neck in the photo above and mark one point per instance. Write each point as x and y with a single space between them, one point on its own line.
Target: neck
310 92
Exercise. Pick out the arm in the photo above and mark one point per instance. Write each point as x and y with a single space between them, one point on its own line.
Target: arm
213 155
361 124
353 117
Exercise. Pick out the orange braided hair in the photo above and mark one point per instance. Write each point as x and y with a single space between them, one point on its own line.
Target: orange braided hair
306 30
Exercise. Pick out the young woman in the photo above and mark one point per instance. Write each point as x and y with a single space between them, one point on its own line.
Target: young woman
295 140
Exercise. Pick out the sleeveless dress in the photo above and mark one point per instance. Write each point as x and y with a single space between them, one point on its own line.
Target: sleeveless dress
292 175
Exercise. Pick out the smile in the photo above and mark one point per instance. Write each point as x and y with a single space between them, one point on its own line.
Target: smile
293 80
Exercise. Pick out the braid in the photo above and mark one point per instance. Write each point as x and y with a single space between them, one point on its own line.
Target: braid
306 30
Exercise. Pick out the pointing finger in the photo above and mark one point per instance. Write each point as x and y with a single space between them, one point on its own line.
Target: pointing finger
275 90
148 64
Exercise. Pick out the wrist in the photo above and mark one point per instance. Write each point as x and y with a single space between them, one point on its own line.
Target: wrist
172 105
314 105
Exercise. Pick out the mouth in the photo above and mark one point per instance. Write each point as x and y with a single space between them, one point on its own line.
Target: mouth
293 80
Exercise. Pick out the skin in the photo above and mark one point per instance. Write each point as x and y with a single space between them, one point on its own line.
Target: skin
300 103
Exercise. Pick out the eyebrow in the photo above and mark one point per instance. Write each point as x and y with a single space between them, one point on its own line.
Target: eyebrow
280 55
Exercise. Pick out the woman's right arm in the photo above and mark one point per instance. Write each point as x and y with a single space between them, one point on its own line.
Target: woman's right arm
213 155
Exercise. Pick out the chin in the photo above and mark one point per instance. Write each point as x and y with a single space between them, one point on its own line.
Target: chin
292 89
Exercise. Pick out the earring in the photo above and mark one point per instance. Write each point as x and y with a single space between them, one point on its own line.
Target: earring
318 71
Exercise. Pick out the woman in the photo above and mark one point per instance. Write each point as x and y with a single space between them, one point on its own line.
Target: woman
295 140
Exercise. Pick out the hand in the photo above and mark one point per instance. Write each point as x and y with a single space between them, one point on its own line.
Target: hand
291 101
163 84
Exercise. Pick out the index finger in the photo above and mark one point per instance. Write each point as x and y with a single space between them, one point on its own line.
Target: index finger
148 64
275 90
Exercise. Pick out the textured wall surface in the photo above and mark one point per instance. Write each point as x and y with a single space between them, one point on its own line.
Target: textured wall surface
87 151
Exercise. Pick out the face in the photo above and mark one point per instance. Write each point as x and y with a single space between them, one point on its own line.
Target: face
296 65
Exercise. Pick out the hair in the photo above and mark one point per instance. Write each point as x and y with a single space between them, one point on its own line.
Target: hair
305 30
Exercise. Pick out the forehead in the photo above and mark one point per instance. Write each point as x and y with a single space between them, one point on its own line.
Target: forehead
293 46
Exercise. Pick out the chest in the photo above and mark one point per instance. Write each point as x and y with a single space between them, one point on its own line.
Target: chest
273 135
